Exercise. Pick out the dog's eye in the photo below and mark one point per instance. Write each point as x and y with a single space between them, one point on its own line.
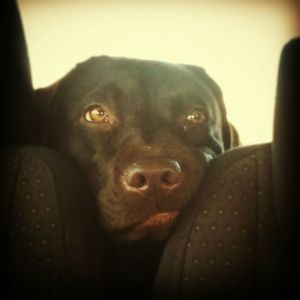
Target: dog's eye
197 117
96 114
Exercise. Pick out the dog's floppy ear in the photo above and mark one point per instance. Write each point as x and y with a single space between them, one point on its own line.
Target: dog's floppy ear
230 136
47 99
229 132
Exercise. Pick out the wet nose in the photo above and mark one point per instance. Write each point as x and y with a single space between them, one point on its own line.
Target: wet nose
153 174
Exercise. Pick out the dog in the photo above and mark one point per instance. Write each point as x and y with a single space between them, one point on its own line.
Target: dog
143 132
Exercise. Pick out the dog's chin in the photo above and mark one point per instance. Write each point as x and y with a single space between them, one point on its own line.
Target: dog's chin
155 228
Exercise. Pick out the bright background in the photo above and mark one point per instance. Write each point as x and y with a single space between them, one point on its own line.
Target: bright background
237 42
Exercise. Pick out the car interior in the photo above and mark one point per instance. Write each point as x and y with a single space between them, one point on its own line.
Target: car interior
238 239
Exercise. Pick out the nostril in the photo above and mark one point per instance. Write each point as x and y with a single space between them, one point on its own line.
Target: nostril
137 180
170 177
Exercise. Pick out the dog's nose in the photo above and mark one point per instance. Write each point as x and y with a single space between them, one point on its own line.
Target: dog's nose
153 174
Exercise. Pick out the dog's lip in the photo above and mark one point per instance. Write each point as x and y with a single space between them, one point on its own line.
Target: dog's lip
158 220
156 227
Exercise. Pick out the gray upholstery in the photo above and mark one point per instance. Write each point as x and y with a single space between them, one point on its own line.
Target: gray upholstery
227 242
51 235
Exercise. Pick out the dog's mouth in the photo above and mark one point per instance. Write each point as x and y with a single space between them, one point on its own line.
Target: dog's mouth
159 220
156 227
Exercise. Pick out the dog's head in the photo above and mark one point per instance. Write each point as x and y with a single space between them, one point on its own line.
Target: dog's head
143 132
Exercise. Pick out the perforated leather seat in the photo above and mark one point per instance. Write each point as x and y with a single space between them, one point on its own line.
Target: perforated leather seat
227 243
50 233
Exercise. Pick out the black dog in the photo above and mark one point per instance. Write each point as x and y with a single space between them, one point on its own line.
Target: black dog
143 132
